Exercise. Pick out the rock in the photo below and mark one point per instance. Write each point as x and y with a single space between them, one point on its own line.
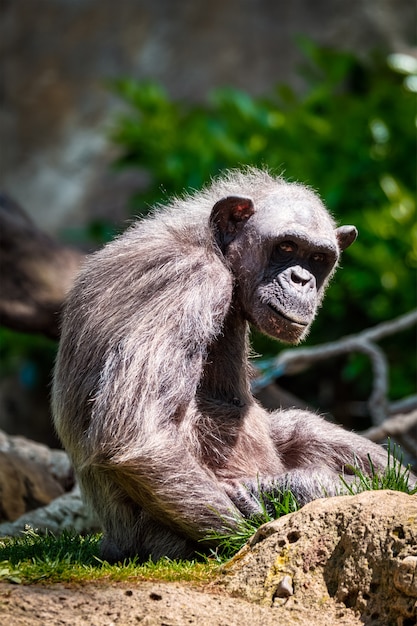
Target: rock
34 480
67 512
405 577
24 485
350 560
56 462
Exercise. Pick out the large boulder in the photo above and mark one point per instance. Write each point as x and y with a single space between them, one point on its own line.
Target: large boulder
346 560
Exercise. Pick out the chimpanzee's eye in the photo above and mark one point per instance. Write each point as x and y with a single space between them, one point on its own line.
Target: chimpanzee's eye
318 257
287 246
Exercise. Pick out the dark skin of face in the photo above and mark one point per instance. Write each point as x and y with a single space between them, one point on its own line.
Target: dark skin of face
281 272
294 278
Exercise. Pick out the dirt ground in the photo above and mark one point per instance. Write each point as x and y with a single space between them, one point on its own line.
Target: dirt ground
121 604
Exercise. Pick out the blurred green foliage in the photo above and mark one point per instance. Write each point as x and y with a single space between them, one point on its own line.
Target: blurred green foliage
350 134
29 356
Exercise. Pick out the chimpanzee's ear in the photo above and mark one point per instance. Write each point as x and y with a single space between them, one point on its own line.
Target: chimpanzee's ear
346 235
228 217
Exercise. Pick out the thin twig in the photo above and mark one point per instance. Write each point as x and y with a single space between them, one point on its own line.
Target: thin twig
395 427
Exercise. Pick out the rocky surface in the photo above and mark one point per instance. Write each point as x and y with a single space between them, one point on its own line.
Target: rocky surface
146 603
343 557
24 485
31 476
66 512
348 561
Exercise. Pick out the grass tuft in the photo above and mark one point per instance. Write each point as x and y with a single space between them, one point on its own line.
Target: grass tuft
69 557
395 476
232 540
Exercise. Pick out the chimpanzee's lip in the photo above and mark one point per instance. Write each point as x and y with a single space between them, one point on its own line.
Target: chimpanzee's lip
296 322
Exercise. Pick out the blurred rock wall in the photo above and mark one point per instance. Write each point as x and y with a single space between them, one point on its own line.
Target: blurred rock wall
57 54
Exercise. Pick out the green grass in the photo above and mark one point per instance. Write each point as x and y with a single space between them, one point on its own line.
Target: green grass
69 557
272 507
395 476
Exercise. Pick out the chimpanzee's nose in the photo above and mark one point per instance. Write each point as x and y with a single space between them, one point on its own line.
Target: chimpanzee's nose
300 276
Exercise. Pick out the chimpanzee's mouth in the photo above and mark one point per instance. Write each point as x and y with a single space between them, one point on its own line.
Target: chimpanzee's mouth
277 312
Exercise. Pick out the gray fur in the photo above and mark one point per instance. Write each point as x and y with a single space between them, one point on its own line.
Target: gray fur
151 393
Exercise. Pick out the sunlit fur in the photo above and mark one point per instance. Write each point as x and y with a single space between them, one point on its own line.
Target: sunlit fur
151 393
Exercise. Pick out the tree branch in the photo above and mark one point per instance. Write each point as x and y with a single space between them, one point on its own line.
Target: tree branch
402 427
297 360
